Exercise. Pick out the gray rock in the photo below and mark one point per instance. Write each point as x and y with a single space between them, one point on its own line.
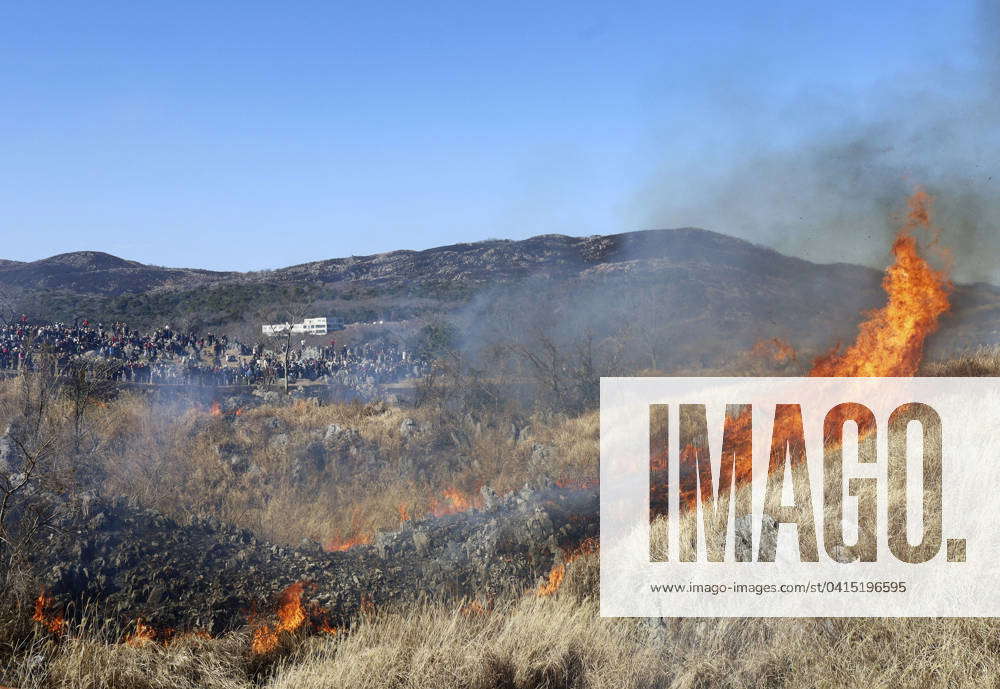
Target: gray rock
274 424
309 461
333 433
234 457
490 498
421 540
383 543
339 435
18 479
539 526
9 455
540 456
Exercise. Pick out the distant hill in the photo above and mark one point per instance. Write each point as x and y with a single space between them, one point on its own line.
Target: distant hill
553 256
95 272
468 265
718 293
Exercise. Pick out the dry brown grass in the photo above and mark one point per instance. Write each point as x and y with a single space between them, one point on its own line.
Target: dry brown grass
92 658
172 458
534 643
557 642
984 361
167 459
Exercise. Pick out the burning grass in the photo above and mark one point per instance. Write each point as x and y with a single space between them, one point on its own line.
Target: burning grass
337 474
551 637
51 621
557 641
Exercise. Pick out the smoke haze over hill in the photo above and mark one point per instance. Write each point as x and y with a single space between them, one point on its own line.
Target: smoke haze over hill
827 186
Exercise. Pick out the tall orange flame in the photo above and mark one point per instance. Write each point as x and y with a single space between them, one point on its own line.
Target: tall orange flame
891 341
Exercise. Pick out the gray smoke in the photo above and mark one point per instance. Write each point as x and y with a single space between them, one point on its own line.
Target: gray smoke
830 192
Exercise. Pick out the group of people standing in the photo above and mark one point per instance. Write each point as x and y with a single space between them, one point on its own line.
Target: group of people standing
169 356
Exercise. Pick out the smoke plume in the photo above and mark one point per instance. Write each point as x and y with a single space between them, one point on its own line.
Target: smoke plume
829 191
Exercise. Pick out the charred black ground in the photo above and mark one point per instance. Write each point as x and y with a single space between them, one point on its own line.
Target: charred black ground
116 562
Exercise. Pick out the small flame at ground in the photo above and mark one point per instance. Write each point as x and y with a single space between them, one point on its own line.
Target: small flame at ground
143 635
54 623
216 410
291 616
452 501
455 501
775 349
473 608
170 638
325 627
339 545
558 573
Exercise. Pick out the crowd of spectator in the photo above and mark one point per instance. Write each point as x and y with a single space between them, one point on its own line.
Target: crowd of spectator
169 356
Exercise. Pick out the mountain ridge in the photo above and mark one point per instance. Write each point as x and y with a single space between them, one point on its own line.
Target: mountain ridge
706 294
100 272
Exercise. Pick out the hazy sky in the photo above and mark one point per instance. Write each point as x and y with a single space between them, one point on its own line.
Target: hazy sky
245 135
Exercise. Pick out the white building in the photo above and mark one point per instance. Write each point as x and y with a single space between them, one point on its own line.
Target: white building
308 326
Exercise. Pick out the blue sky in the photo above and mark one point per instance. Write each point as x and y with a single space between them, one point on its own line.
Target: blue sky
255 135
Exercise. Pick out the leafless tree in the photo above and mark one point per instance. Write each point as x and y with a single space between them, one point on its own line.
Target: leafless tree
85 383
8 306
287 312
36 467
639 327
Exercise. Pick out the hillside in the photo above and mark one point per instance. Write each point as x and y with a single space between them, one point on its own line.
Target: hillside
469 265
95 272
711 295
